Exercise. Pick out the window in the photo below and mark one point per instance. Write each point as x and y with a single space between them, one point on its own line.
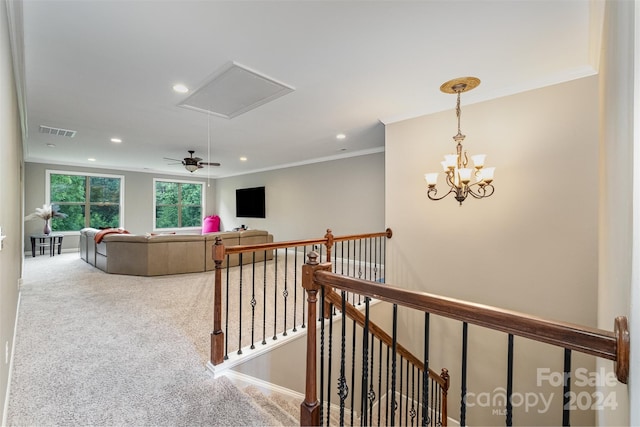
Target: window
178 204
89 200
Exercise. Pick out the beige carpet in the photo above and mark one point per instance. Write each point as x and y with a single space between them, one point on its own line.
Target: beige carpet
100 349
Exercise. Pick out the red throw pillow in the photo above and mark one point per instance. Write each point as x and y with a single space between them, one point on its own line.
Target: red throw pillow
211 224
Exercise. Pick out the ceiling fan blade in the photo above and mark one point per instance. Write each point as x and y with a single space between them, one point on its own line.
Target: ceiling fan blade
209 163
169 158
197 159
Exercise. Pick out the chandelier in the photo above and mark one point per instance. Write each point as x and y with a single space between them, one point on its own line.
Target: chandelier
457 175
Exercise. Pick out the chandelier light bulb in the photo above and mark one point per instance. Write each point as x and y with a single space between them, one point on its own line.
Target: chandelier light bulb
487 174
465 175
431 178
451 160
478 160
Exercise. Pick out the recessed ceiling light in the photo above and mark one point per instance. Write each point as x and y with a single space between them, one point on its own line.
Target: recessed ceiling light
116 140
91 159
180 88
243 159
341 136
51 145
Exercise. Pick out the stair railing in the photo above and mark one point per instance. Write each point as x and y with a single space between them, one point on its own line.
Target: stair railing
358 255
400 390
611 345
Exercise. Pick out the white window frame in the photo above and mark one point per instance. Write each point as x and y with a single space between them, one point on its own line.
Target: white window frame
179 181
47 196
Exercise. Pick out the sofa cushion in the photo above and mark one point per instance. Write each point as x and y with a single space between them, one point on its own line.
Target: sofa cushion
155 255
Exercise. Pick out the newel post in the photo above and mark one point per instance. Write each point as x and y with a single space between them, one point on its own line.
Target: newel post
310 407
328 243
217 336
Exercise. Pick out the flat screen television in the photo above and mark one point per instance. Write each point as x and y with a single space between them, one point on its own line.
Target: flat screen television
250 202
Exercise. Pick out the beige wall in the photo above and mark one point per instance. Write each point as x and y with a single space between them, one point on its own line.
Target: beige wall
10 208
616 185
531 247
138 202
345 195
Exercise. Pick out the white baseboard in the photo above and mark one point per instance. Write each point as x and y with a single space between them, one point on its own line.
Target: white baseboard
5 410
248 353
265 387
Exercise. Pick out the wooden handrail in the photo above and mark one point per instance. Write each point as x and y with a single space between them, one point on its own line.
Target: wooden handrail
327 240
383 336
597 342
237 249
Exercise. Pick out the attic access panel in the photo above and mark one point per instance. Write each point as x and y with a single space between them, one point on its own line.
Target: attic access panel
234 90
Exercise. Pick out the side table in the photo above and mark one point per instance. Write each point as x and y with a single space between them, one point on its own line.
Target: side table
42 241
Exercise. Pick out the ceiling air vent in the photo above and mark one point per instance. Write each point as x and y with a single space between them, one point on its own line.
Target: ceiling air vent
233 90
57 131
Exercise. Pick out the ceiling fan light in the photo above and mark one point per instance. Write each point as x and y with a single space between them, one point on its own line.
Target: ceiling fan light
191 168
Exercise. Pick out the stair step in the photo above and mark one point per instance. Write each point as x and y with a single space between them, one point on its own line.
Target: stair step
279 407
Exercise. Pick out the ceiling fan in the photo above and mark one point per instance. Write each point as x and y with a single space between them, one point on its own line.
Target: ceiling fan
191 163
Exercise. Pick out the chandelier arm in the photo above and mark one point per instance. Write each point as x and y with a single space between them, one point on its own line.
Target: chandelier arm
435 191
450 182
482 191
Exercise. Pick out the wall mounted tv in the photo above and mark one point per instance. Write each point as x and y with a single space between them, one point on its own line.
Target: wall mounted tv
250 202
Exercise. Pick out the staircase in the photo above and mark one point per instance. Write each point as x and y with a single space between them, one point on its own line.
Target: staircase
283 405
282 408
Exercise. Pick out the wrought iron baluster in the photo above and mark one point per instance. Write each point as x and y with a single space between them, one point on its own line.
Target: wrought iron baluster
419 389
384 259
371 394
343 389
566 389
375 259
264 302
275 298
379 379
388 403
463 377
412 412
400 388
425 373
295 288
253 300
509 413
394 352
240 308
359 258
226 316
304 317
329 364
350 266
435 404
365 366
322 353
353 368
285 292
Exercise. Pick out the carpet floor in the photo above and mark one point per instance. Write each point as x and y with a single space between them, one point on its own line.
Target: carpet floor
100 349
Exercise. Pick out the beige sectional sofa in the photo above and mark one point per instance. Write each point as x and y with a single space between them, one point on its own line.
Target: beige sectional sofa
164 254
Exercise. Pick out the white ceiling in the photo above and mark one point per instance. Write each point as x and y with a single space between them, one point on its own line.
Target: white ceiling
106 68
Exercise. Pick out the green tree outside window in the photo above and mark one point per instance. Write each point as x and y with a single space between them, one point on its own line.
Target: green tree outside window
88 201
178 204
